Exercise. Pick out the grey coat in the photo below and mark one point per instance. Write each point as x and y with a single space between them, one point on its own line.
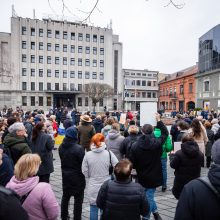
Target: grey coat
95 166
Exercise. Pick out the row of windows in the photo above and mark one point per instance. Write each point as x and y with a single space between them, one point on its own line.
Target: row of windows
57 48
172 91
87 74
65 35
33 101
141 94
86 102
129 82
140 74
170 106
64 61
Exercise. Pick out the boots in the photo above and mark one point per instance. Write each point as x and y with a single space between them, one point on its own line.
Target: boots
157 216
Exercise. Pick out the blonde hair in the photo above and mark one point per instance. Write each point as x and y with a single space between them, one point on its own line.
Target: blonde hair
53 117
133 129
27 166
116 126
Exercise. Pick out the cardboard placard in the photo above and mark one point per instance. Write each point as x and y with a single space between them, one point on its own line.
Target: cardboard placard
148 112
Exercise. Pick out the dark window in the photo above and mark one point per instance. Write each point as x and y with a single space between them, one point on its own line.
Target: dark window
101 76
86 101
49 73
94 50
87 50
41 46
57 73
24 86
148 83
24 58
57 60
32 100
41 100
79 62
101 63
94 63
64 60
80 36
138 82
49 60
57 34
32 59
181 89
144 94
206 86
80 49
87 62
87 75
79 101
154 95
64 74
72 36
48 86
101 103
190 87
33 86
94 75
80 87
72 74
23 30
94 38
143 83
49 101
49 46
101 39
72 61
87 37
49 33
41 86
24 45
32 45
64 86
72 49
101 51
65 35
32 72
41 32
57 86
32 31
64 48
24 72
57 47
79 74
40 72
149 95
72 87
41 59
24 100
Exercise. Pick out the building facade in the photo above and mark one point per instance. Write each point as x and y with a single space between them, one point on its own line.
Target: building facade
177 91
208 77
139 86
47 63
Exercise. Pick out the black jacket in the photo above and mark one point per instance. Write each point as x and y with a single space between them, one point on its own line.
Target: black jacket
98 125
217 135
71 156
145 156
6 170
174 132
122 200
208 146
187 163
197 201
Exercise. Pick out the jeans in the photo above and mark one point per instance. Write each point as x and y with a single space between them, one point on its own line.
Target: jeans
78 201
94 210
150 198
164 170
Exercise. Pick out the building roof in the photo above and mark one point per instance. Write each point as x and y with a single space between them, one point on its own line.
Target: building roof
180 74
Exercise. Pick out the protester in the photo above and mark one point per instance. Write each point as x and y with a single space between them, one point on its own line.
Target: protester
97 123
95 166
174 132
37 198
215 125
71 156
108 126
121 198
183 128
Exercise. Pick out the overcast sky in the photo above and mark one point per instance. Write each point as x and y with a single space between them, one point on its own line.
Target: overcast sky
154 37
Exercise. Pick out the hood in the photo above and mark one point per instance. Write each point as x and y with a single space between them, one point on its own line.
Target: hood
214 176
24 186
190 148
146 142
97 121
68 142
11 139
113 134
98 150
107 128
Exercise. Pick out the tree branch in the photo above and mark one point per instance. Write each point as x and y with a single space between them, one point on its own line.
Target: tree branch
178 6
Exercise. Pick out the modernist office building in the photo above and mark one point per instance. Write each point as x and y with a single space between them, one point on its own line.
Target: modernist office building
47 63
208 77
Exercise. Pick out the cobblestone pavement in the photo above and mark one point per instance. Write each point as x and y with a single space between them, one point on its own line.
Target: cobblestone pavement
165 201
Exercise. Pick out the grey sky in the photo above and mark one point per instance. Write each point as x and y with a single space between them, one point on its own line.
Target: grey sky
154 37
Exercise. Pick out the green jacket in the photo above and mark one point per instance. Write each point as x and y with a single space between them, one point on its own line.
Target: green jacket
167 146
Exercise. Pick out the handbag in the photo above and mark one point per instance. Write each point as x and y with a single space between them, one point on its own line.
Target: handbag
111 168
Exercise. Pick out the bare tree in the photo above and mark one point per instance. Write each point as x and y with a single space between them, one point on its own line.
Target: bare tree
98 91
176 5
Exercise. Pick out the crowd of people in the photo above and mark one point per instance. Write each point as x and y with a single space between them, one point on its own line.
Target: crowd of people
120 164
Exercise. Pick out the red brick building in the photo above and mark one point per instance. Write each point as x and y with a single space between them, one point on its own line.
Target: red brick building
177 91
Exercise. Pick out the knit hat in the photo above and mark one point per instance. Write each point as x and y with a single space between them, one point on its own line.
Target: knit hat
216 152
72 132
214 121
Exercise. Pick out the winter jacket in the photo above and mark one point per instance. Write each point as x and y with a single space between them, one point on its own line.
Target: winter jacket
73 115
167 146
208 146
187 163
6 170
197 201
63 116
217 135
174 132
10 208
16 146
122 200
98 125
29 127
43 146
181 134
106 129
95 166
215 128
145 156
71 156
67 123
41 202
113 142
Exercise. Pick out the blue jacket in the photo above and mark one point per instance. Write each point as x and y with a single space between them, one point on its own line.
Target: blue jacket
6 170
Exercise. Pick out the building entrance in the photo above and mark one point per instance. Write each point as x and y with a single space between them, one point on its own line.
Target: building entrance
66 100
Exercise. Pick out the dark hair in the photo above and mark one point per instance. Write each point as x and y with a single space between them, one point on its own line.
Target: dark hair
36 130
132 122
183 125
147 129
123 169
196 128
11 121
187 137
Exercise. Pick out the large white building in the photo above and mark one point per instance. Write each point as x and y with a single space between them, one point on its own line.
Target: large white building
139 86
46 63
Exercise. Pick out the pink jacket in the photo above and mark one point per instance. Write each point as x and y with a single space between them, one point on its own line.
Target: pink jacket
41 203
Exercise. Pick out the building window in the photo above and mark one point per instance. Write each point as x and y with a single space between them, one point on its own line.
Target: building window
72 48
80 49
154 83
79 74
87 50
154 95
87 37
32 72
64 60
101 63
49 101
206 86
87 75
41 32
57 86
148 83
138 82
49 33
24 58
49 47
143 82
80 36
86 101
32 45
24 100
79 101
149 95
94 50
80 87
24 86
94 75
101 103
94 38
41 100
41 46
101 51
171 105
32 100
72 74
57 73
72 36
190 87
32 58
72 87
101 39
101 76
23 30
144 94
40 72
79 62
144 74
48 86
41 86
24 45
40 59
94 63
57 60
181 89
64 86
32 86
72 61
32 31
87 62
49 73
57 47
65 35
64 48
49 60
57 34
24 72
64 74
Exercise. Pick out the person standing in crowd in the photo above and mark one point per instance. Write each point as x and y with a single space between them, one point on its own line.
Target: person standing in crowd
68 122
10 121
15 142
85 131
54 125
121 198
95 166
198 200
73 180
132 122
108 126
215 125
183 128
145 156
73 115
43 145
174 132
114 139
129 115
187 163
37 198
97 123
28 124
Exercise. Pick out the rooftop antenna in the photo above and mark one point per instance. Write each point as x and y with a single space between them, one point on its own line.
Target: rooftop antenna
110 24
14 14
34 14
